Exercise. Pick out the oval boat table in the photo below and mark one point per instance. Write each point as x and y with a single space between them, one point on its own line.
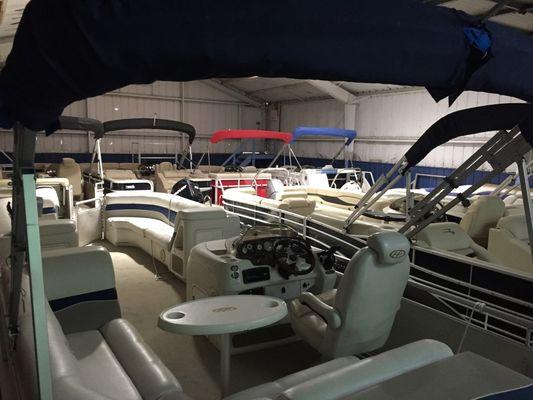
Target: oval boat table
223 315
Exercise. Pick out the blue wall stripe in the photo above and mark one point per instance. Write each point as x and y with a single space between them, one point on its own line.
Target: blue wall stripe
169 214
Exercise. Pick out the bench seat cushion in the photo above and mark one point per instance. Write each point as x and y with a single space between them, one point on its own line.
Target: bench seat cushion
161 234
150 376
99 368
134 223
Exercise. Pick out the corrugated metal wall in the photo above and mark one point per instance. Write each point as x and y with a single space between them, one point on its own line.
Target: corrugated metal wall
193 102
327 113
388 124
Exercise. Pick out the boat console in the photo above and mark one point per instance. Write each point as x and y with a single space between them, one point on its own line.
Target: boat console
267 260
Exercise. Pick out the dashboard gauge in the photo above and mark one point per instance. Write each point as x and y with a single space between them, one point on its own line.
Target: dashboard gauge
249 246
267 245
259 247
244 250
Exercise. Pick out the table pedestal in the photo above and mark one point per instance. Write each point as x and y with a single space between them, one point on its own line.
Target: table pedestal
225 363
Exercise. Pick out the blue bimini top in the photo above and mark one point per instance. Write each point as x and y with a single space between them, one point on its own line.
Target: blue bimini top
317 131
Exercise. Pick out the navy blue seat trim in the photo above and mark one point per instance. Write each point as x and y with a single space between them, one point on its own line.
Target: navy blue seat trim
169 214
106 294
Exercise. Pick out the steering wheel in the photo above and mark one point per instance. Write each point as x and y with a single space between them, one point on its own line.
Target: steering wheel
289 254
146 169
233 168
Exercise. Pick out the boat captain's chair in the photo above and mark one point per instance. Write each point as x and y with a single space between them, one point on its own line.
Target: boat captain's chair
451 237
482 215
509 241
357 317
71 170
164 166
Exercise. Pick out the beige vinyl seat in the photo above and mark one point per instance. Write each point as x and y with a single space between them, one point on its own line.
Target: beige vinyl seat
358 316
449 236
164 166
99 356
294 205
119 174
509 242
482 215
71 170
167 178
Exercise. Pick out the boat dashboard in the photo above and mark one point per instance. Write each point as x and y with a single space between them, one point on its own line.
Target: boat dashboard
273 261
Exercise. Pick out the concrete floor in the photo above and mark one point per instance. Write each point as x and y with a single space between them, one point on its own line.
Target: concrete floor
193 360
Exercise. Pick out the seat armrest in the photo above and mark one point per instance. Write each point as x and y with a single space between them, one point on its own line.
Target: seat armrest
340 384
328 313
483 254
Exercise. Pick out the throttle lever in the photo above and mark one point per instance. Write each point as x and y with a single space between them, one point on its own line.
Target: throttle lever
327 257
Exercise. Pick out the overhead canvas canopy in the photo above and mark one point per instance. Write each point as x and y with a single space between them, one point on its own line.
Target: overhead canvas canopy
79 124
67 50
249 134
150 123
468 122
317 131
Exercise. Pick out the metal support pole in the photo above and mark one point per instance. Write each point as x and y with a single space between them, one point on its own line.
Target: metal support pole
26 250
24 153
526 194
408 195
338 153
277 156
100 161
291 151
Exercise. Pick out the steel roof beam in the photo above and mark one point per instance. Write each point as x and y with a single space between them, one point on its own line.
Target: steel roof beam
233 92
333 90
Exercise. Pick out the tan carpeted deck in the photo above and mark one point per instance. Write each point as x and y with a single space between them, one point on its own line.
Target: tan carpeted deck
193 360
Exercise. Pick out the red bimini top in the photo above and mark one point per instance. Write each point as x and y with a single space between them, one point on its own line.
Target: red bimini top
227 134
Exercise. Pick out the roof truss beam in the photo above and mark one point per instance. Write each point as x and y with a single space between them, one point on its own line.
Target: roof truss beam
333 90
233 92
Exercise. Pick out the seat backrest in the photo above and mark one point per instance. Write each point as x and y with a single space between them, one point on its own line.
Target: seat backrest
161 206
71 170
515 225
449 236
295 205
483 214
164 166
131 166
369 294
313 178
119 174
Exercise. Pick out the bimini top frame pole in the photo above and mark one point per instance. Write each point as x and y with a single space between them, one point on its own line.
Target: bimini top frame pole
249 134
502 150
83 124
460 123
348 135
156 123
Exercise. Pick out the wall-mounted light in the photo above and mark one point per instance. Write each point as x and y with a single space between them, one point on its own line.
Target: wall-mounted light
115 108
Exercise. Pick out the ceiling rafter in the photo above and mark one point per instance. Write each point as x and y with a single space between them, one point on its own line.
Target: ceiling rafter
234 92
333 90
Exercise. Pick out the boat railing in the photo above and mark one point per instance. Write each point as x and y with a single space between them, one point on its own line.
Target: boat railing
473 292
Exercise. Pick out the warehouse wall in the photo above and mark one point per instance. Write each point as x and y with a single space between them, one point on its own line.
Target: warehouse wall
328 113
387 125
193 102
